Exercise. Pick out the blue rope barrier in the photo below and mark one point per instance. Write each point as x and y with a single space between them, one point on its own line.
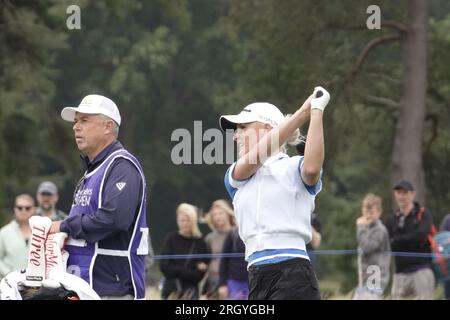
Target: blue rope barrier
315 252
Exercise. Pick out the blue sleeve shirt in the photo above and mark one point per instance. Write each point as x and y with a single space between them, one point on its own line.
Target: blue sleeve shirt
114 214
232 185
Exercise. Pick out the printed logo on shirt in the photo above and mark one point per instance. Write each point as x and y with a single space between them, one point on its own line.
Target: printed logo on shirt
82 197
120 185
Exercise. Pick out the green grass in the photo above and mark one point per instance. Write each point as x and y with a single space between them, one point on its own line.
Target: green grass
330 289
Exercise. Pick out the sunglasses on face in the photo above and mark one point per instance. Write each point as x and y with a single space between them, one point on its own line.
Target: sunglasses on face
26 208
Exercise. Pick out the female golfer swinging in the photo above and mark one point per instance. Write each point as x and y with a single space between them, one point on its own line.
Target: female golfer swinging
273 195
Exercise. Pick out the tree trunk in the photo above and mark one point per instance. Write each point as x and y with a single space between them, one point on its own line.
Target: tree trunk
407 153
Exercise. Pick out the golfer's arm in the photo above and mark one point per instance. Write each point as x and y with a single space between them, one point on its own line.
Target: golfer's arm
248 164
314 149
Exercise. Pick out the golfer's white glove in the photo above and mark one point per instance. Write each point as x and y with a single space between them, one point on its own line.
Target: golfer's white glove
320 98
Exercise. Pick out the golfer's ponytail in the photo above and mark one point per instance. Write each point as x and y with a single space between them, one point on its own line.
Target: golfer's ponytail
295 138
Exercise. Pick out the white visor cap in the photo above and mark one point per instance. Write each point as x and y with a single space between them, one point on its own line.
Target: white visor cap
259 111
93 104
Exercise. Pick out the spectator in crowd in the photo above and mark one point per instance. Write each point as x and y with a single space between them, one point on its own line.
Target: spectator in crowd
220 219
408 229
15 236
233 272
445 226
373 251
182 276
47 199
316 237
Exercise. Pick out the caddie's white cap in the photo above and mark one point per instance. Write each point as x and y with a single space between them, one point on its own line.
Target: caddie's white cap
259 111
93 104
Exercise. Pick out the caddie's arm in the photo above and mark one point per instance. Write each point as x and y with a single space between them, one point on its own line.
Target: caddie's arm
55 227
118 208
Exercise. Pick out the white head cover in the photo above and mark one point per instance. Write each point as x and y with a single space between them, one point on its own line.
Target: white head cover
73 283
259 111
46 268
40 226
11 284
14 282
55 255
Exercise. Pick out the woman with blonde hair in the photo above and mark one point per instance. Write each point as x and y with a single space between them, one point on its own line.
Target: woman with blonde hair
220 219
182 276
273 194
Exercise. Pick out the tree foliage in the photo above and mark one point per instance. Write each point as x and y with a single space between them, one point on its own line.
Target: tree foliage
293 46
169 63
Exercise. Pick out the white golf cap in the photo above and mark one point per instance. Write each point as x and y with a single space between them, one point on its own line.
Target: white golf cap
93 104
259 111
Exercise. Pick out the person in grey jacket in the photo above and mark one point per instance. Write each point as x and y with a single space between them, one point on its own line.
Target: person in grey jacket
373 251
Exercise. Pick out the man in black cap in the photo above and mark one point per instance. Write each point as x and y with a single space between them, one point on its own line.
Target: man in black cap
47 198
408 230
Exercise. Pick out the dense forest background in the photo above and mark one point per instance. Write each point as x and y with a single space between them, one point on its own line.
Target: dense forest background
169 63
